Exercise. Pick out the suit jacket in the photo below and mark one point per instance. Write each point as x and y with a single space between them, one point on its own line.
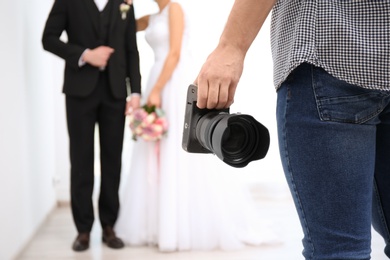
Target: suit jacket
80 20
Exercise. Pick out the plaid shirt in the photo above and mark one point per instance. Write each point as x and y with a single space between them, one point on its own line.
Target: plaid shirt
350 39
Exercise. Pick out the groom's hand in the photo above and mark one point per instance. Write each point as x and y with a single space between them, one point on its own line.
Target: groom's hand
98 57
132 102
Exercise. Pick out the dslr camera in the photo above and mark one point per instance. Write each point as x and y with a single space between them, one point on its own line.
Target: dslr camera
236 139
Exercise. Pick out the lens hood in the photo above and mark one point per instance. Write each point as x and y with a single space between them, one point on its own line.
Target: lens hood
239 139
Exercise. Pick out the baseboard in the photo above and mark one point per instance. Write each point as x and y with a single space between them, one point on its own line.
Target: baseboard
35 233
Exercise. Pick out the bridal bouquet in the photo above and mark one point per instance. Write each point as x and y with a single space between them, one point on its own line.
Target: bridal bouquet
149 123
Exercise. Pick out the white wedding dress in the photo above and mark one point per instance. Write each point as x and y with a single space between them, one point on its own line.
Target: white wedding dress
176 200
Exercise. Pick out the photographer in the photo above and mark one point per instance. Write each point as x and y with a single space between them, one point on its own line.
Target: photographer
332 75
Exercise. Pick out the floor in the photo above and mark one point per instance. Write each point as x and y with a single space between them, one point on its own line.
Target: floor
53 240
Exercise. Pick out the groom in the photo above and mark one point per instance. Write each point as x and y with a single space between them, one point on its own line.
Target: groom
101 56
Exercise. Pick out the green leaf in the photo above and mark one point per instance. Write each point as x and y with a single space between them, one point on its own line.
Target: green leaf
149 109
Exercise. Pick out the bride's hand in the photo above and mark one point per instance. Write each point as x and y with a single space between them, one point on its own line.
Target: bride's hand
154 98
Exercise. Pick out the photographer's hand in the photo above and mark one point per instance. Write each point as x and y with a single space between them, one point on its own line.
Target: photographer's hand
219 76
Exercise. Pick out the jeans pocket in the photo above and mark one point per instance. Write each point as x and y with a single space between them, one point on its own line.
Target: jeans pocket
339 101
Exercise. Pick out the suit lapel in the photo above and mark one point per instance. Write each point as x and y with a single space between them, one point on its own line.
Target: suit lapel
93 13
114 13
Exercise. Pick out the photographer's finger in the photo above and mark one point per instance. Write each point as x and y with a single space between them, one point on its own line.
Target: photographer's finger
213 96
202 93
195 81
223 96
231 93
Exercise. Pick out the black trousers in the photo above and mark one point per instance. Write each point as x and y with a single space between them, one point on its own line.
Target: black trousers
83 114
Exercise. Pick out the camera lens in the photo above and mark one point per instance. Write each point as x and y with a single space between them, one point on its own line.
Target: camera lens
205 128
236 139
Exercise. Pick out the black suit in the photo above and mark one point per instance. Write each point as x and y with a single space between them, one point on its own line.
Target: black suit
94 96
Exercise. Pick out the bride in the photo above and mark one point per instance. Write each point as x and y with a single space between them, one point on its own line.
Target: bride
172 199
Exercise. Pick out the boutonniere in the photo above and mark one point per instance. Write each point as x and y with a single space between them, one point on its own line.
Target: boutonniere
124 8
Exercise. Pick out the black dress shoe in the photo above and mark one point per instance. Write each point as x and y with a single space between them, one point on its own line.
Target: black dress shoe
110 239
81 243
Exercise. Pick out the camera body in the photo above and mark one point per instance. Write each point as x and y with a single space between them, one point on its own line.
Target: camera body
192 116
236 139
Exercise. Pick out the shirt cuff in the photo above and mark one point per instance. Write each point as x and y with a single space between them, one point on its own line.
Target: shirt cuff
133 95
81 62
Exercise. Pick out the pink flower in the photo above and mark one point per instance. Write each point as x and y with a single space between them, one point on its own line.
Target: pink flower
149 119
163 122
149 123
140 114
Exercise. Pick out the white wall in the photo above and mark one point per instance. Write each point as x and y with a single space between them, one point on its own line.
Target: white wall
27 142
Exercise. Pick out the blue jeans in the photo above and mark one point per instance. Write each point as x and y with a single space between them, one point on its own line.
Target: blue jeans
334 141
